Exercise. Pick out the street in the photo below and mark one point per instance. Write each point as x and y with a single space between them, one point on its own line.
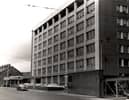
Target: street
13 94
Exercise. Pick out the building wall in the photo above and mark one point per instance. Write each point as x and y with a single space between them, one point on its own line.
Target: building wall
55 55
88 83
8 71
110 42
82 36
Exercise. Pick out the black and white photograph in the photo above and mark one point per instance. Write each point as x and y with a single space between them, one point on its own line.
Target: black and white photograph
64 50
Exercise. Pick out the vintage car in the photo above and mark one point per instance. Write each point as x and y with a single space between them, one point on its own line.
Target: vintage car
21 87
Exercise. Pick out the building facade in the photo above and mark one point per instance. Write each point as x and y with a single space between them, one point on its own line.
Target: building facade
83 36
7 71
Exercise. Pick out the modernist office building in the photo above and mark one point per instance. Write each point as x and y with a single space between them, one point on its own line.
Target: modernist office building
82 43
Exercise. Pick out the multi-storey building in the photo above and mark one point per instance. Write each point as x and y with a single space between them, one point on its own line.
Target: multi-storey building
87 38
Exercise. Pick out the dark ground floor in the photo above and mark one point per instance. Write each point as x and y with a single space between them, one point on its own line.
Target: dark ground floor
93 83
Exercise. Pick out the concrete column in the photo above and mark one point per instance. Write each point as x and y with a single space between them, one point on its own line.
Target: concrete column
66 80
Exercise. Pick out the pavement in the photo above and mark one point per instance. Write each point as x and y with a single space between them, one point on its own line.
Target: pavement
83 97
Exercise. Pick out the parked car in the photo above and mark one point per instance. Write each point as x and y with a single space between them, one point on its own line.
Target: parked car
54 86
21 87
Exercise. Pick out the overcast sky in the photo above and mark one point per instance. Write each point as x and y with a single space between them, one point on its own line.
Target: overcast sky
16 23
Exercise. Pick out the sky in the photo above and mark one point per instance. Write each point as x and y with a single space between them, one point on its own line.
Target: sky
16 23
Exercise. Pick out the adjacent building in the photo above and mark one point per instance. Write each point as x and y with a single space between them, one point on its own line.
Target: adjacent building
7 71
82 44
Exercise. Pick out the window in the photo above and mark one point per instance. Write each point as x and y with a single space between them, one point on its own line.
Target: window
80 26
45 26
39 72
35 48
80 64
44 35
80 39
63 35
70 54
128 49
120 35
44 43
44 71
49 79
71 31
121 49
49 60
62 80
70 8
62 45
40 38
35 40
35 56
70 66
62 68
122 22
124 49
39 63
44 62
124 62
55 58
49 70
44 52
90 8
122 9
55 38
63 24
50 51
79 3
56 28
55 79
49 32
71 42
90 48
56 48
90 21
35 64
62 56
56 18
55 69
80 51
90 63
90 35
39 54
71 19
50 41
36 32
40 46
80 14
128 36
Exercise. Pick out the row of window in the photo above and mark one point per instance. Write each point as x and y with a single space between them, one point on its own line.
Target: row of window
70 31
123 22
122 9
70 66
123 35
60 79
79 15
123 62
90 48
124 49
79 39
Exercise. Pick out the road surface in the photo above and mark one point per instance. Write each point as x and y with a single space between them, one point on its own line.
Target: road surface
13 94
